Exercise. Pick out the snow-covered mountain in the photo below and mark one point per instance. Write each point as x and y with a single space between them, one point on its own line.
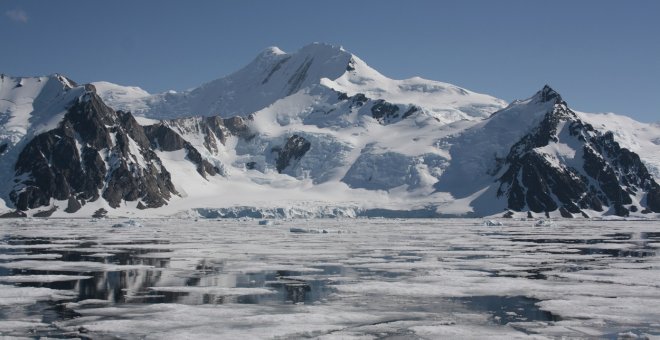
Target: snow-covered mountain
90 152
561 164
29 106
274 75
316 133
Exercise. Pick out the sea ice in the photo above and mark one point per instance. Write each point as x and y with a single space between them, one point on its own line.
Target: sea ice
493 223
382 278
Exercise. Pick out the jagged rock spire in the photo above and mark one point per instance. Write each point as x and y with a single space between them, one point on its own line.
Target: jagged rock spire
548 94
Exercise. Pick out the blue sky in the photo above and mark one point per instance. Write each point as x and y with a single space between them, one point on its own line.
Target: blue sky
602 56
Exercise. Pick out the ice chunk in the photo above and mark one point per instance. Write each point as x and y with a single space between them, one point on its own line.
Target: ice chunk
42 278
29 256
493 223
312 231
304 231
544 223
10 295
128 224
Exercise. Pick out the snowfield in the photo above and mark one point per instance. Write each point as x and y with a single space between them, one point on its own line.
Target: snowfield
274 75
330 279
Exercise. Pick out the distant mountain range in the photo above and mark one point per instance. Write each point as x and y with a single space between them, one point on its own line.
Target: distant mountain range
316 133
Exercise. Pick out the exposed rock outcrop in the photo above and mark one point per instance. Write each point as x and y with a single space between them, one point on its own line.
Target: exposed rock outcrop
94 152
294 149
599 174
214 129
164 138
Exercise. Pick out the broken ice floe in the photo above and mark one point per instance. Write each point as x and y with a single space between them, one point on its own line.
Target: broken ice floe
492 223
128 224
41 278
395 278
296 230
12 295
544 223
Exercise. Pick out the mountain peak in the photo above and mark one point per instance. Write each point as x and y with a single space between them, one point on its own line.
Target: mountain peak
37 81
273 50
326 54
321 46
270 52
323 52
275 74
547 94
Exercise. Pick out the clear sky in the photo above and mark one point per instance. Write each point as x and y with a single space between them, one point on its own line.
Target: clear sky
601 55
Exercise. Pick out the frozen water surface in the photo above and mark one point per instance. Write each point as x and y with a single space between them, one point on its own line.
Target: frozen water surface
353 279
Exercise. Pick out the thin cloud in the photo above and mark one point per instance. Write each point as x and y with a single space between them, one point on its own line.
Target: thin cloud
17 15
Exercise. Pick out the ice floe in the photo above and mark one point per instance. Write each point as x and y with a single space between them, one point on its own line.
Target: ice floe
378 278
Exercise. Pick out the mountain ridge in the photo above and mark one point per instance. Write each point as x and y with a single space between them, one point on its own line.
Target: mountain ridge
323 147
274 75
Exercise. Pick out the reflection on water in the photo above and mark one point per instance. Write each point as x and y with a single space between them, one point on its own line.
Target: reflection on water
505 309
637 248
139 285
109 285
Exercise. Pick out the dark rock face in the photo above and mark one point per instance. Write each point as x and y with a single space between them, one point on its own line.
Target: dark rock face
53 168
653 198
164 138
607 176
100 213
411 111
91 149
388 113
73 205
3 148
358 100
237 126
294 149
91 119
275 68
213 128
547 94
45 213
384 112
351 65
14 214
128 181
299 76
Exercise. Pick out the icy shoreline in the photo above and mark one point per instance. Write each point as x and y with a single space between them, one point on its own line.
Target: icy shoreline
318 211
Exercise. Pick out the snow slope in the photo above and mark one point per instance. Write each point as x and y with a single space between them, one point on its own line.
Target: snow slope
28 106
33 104
274 75
641 138
122 97
475 151
446 102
